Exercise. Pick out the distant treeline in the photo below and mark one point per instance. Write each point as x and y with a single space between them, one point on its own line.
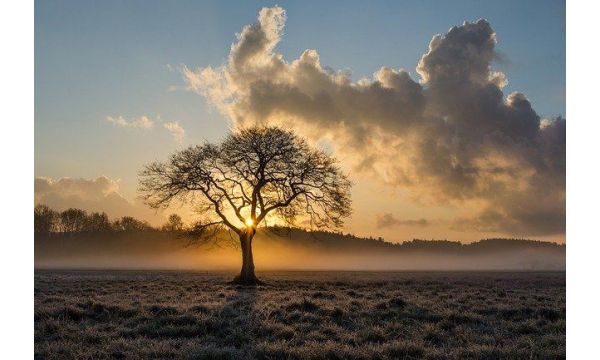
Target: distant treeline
72 221
77 221
333 240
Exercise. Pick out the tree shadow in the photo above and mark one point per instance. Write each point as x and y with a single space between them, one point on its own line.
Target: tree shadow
238 320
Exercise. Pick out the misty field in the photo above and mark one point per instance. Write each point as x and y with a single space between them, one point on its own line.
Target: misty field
299 315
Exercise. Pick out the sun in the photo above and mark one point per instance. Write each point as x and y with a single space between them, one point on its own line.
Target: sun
249 222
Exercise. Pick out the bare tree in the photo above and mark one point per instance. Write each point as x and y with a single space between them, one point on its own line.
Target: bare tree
254 174
131 224
98 223
73 220
45 219
173 224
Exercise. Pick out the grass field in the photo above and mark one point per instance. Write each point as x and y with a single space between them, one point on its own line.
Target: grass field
302 315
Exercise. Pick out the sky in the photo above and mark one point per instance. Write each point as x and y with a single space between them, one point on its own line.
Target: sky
111 95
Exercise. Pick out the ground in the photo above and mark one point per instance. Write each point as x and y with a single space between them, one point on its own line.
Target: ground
299 315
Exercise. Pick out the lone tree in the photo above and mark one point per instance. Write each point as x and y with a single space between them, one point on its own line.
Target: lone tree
251 175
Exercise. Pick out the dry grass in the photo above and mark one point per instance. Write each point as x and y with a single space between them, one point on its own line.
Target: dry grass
166 315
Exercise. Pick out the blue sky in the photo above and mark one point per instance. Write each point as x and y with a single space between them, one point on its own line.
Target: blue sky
111 58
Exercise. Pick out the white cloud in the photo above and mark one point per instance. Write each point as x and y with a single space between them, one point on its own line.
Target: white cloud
142 122
176 130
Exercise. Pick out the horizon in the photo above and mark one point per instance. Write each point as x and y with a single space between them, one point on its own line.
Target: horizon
333 231
283 249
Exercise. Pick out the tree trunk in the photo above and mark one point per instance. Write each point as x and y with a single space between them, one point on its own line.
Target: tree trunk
247 276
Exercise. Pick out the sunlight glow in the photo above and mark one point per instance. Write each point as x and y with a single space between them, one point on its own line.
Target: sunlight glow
249 222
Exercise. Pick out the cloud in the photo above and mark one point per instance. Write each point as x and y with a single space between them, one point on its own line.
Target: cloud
100 194
142 122
176 130
388 220
451 137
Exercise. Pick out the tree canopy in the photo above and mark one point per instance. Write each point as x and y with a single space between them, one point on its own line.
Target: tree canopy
251 175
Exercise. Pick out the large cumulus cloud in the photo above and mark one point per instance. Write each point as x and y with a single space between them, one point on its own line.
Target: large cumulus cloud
451 136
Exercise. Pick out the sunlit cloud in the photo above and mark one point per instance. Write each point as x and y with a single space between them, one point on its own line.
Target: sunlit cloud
176 130
142 122
451 137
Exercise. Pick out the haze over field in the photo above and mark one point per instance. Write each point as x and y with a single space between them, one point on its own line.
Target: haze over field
281 249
